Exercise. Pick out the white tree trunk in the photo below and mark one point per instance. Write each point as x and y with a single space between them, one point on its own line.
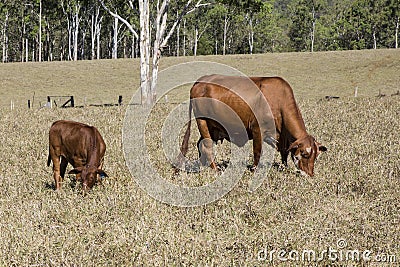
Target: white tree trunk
92 37
5 38
98 41
144 52
26 49
251 35
115 39
95 33
75 33
196 36
161 24
313 30
69 39
225 34
23 41
83 43
33 52
178 30
397 33
133 49
40 31
147 83
184 37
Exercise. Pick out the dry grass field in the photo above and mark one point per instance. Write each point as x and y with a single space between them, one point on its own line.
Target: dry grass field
350 208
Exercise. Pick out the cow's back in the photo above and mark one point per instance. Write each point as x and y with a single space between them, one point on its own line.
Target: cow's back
237 93
75 141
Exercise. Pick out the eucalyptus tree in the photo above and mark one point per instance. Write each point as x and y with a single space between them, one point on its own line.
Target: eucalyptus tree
304 16
158 13
270 29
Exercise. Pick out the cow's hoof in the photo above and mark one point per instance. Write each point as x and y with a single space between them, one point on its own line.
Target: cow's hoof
176 171
272 142
252 168
193 167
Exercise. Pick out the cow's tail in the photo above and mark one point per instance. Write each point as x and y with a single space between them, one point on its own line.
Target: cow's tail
185 142
48 160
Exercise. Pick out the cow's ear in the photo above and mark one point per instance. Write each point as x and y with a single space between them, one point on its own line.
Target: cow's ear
76 170
102 173
293 146
321 147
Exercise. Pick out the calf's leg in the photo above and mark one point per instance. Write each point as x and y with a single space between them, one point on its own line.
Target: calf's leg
63 166
56 172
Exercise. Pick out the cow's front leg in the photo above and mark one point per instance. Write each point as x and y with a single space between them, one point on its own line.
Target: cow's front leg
284 156
205 144
257 147
206 152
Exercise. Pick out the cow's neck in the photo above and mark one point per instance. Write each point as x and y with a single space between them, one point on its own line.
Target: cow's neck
293 121
93 156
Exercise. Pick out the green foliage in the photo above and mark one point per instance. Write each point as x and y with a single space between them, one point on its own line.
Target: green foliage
264 25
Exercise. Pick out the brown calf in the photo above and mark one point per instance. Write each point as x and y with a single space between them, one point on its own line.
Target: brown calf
80 145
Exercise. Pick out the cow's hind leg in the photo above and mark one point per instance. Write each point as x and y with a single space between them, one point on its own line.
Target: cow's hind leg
56 168
202 156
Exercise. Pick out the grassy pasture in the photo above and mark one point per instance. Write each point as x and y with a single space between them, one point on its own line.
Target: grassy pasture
354 195
310 74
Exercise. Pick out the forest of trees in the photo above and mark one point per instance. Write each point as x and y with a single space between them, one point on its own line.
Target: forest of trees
46 30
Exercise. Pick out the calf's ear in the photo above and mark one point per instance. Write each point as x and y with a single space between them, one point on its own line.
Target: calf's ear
102 173
76 170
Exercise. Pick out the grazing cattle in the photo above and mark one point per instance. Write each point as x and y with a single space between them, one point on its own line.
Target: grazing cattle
80 145
238 93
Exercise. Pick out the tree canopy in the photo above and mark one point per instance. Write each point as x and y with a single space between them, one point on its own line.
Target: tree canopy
44 30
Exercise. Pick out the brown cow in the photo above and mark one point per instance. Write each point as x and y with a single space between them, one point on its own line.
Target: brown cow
80 145
249 104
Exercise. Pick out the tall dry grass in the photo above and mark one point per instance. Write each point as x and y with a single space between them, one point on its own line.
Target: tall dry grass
354 196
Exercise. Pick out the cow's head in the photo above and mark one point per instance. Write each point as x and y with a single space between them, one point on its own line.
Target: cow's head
304 152
88 175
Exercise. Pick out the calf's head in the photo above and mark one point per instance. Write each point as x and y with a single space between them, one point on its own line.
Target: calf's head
304 152
88 175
